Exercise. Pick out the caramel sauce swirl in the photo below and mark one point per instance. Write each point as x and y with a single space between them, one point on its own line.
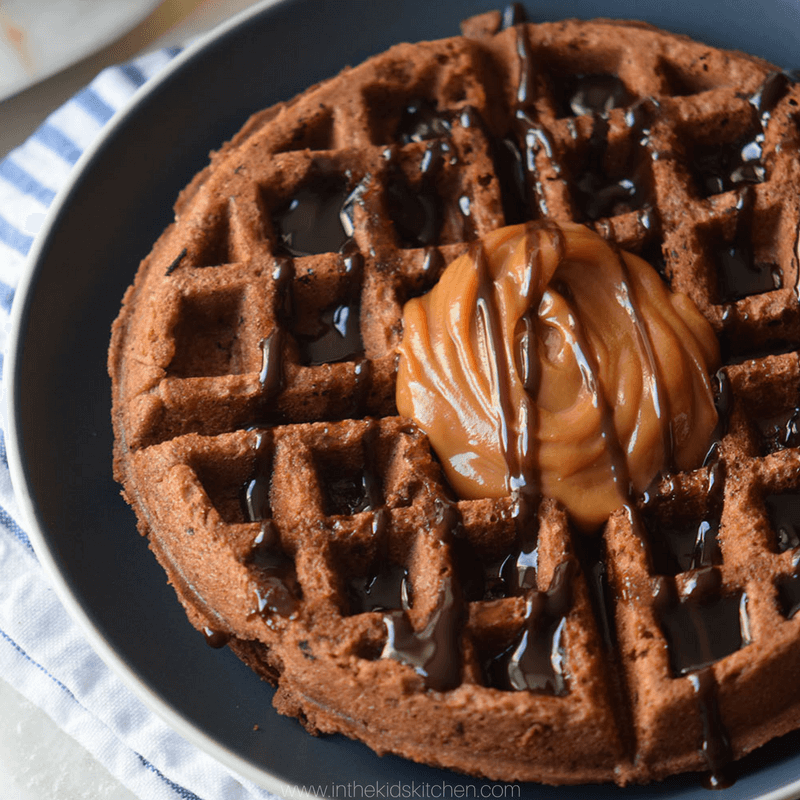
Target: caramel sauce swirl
545 360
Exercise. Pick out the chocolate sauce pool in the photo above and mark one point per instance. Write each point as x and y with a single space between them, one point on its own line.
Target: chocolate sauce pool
311 223
276 589
535 661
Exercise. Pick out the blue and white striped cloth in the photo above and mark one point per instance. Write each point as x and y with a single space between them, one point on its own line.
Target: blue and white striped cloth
42 651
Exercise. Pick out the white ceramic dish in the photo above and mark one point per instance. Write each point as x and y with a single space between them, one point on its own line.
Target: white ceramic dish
40 37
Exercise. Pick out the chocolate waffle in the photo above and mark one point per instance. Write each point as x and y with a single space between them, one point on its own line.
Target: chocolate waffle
309 527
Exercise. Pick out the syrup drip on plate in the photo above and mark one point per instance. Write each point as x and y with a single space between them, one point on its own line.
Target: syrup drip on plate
216 638
716 746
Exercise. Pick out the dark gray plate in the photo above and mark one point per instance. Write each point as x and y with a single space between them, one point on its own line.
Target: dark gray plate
116 205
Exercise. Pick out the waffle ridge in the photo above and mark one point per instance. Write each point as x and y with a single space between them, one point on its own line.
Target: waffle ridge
223 379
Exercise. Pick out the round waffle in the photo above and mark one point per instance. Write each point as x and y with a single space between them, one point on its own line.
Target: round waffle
309 527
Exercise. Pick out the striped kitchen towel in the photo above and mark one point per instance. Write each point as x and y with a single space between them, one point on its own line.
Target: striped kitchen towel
43 653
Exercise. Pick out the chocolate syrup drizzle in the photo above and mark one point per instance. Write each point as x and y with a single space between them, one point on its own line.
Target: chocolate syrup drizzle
421 121
723 402
276 589
435 650
417 211
701 626
525 129
338 334
779 431
783 511
535 660
513 14
739 274
716 747
347 491
583 355
317 220
216 638
386 589
788 588
722 168
595 93
273 346
311 223
176 262
685 543
518 571
597 194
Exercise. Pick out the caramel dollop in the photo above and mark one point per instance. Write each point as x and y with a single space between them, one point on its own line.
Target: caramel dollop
546 360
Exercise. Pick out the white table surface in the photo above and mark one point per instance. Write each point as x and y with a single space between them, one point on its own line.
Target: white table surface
38 761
